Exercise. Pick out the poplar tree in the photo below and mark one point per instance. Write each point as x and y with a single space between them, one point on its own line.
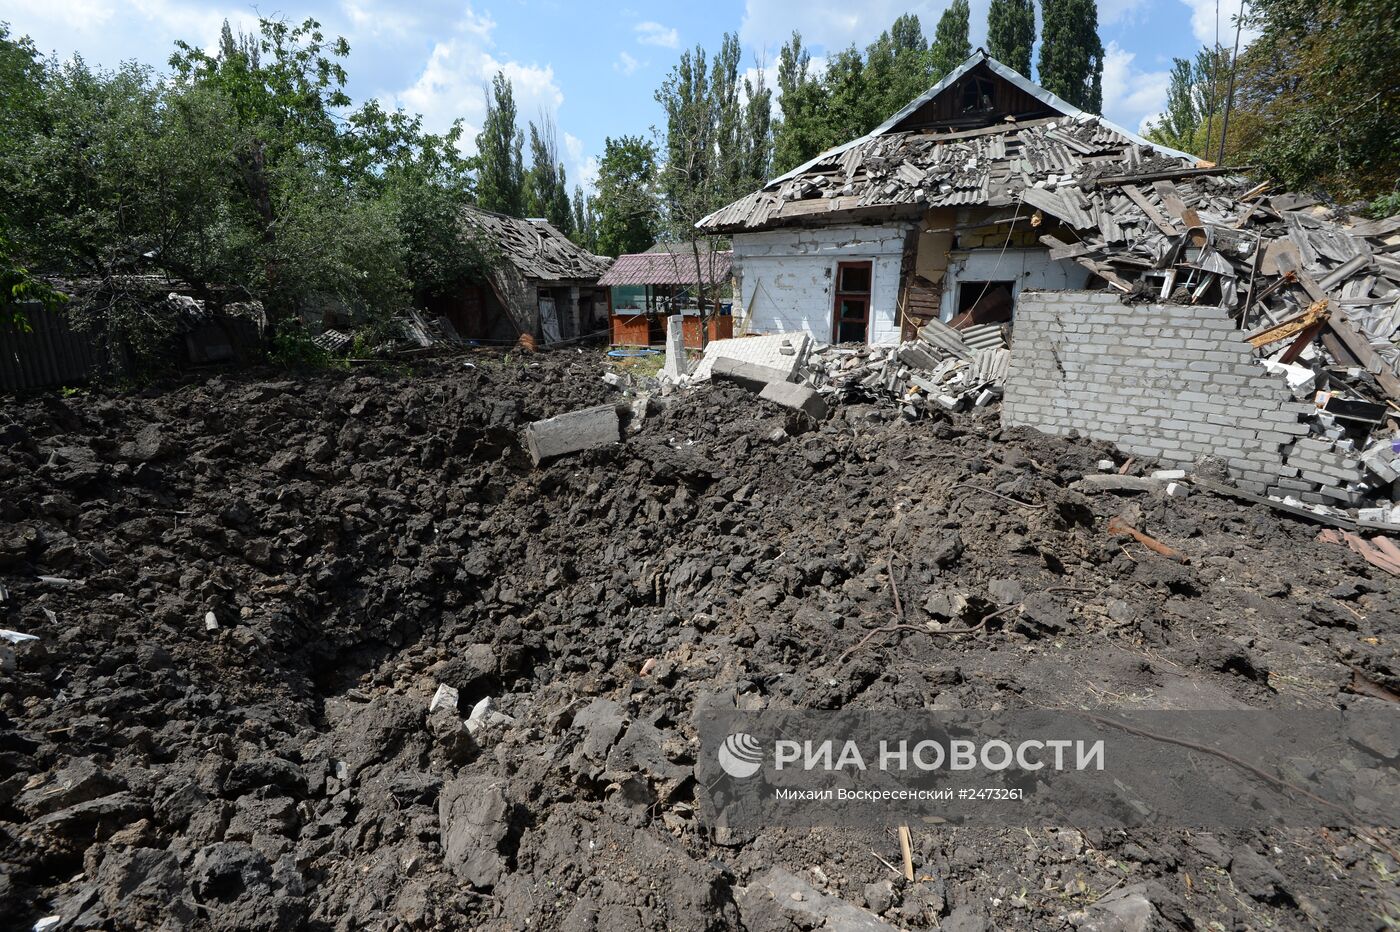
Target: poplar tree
500 179
1011 33
950 43
1071 54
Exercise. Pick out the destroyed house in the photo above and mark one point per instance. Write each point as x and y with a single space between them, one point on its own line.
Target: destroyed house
942 211
542 284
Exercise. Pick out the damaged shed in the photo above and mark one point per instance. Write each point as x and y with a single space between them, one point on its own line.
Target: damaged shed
645 288
542 284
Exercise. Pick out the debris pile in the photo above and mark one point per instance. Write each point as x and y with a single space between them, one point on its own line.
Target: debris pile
944 369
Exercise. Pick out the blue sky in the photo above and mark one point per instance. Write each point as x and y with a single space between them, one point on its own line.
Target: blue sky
593 66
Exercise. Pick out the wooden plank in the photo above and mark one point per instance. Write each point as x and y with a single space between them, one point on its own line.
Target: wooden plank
1361 349
1137 197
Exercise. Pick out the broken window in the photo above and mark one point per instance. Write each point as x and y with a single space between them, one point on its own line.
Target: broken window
975 95
983 303
851 315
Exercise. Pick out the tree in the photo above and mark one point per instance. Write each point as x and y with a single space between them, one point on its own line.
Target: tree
1318 97
585 220
951 46
1071 54
801 134
846 112
628 218
897 67
238 176
707 157
546 191
500 181
300 220
1195 103
757 138
1011 33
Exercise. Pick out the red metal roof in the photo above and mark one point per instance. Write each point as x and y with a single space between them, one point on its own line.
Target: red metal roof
666 268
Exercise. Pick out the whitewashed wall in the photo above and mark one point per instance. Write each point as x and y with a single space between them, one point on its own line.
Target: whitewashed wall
1030 269
787 276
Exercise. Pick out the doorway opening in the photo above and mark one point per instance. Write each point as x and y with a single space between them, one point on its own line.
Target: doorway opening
851 314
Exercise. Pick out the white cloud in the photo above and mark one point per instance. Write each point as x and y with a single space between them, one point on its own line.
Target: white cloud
110 37
369 18
454 82
582 171
1112 12
651 33
625 63
834 24
1131 97
1203 22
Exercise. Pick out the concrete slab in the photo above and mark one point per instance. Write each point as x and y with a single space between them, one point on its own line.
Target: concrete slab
750 375
782 351
797 397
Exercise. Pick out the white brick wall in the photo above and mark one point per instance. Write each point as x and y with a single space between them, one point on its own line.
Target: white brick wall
786 277
1166 381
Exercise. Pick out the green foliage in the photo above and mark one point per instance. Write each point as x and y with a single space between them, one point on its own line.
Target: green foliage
1071 54
856 93
1318 97
18 286
239 175
802 133
1386 205
1193 119
628 220
585 220
717 139
711 158
546 191
501 172
1011 33
293 348
950 46
897 66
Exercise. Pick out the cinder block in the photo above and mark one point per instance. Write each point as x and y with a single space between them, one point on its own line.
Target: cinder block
572 432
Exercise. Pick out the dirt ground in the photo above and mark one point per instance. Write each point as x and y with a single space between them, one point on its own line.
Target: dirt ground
361 539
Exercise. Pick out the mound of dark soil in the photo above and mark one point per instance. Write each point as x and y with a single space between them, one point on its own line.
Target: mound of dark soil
252 590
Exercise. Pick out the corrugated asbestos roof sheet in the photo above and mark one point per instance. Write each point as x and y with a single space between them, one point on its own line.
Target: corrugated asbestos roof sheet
993 166
1040 162
535 247
664 268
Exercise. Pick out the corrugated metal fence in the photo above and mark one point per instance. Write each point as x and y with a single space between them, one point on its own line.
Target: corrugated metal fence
54 353
50 353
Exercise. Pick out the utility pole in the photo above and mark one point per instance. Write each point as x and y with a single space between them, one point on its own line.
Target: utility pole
1230 97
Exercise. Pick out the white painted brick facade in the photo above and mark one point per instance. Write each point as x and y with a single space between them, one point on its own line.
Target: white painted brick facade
787 276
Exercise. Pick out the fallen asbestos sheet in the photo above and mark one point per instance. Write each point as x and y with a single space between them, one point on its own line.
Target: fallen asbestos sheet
230 610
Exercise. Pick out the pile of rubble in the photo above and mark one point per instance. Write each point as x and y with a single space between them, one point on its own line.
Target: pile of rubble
1317 293
943 369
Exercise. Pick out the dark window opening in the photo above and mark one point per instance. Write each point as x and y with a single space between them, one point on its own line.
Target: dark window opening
855 279
975 95
983 303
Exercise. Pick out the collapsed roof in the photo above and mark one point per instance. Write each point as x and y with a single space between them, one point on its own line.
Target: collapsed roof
980 137
536 248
